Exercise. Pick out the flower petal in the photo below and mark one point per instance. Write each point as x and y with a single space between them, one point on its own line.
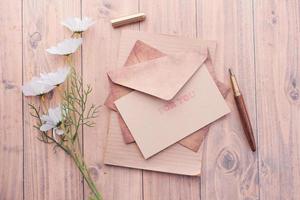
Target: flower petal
36 87
46 118
75 24
58 131
28 91
66 47
47 127
55 78
55 114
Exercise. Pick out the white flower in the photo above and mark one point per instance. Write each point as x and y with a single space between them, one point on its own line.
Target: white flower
66 47
55 78
52 121
45 83
77 25
36 87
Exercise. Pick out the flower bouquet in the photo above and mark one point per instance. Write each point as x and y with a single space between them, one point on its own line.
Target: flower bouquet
60 125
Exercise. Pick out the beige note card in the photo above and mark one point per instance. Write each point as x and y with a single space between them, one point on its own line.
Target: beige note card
175 159
156 124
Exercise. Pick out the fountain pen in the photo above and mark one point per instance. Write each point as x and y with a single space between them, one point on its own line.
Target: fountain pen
239 100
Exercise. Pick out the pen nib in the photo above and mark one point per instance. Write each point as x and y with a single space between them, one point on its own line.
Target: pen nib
230 72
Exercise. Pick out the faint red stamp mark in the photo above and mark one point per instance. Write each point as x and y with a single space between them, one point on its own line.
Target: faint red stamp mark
177 101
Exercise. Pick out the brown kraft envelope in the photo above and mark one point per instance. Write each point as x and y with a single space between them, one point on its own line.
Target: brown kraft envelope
175 159
142 52
174 96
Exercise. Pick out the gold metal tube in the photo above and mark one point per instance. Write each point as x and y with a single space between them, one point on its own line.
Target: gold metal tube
235 86
128 19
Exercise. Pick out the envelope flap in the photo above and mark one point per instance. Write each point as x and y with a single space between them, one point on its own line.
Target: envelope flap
162 77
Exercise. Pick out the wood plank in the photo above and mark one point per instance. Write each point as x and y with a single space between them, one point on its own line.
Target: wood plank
277 42
228 163
11 135
47 174
100 53
176 18
230 168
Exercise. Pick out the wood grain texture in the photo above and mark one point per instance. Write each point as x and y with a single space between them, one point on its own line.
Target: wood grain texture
176 18
47 175
100 52
11 134
277 42
230 168
259 39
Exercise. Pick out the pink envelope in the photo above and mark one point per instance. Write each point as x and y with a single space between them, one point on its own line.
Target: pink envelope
163 78
163 82
142 52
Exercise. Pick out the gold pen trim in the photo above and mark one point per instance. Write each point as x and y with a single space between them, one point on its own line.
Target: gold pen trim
235 86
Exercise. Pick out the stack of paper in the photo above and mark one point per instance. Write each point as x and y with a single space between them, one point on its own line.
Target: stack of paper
164 96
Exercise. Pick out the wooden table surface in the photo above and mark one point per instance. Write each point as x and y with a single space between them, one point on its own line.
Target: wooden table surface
259 39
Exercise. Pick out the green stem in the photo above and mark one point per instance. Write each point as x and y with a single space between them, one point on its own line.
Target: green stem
85 173
75 149
88 174
57 143
70 63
